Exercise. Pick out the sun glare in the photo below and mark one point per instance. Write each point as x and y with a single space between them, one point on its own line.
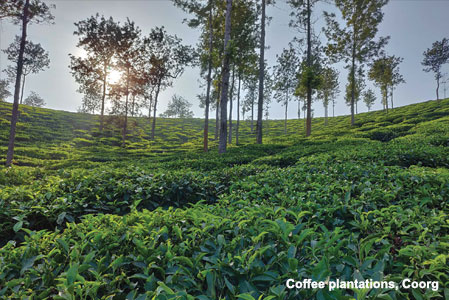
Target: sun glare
114 77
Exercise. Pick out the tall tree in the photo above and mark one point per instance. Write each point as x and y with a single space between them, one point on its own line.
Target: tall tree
435 58
98 37
35 59
168 59
355 44
384 72
285 78
329 89
203 16
225 80
129 55
302 15
369 98
22 12
261 74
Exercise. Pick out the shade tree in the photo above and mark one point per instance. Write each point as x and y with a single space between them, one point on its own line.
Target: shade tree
168 58
384 72
98 37
178 107
355 44
34 99
285 77
369 98
328 89
23 12
435 58
35 59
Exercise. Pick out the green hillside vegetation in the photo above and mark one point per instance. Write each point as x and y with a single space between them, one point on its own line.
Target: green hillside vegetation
83 218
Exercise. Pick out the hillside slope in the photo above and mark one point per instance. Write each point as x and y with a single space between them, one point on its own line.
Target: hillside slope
82 218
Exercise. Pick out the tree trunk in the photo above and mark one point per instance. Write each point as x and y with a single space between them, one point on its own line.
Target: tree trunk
299 108
391 97
149 107
230 105
217 112
438 87
286 111
333 108
125 123
353 68
209 80
15 107
153 126
309 64
252 116
225 81
386 99
261 77
352 91
326 106
103 97
238 114
23 87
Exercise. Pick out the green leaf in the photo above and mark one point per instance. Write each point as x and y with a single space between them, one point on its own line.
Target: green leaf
71 274
17 226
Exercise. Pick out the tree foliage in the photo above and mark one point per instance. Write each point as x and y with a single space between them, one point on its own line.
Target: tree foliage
384 72
4 91
369 98
34 99
178 107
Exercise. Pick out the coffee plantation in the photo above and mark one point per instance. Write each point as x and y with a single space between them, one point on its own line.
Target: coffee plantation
81 217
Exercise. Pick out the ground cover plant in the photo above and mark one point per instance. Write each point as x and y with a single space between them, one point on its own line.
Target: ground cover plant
83 218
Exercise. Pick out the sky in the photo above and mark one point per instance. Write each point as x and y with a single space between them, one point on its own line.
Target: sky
413 26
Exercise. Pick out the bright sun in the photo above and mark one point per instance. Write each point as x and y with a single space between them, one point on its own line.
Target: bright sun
114 77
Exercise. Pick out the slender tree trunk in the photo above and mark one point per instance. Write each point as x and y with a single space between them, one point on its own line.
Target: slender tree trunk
438 87
261 77
391 97
15 107
103 97
225 78
125 123
333 108
133 105
238 114
217 112
353 91
356 107
326 107
209 81
23 88
149 108
299 108
386 99
153 126
230 105
252 116
309 64
353 68
286 111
